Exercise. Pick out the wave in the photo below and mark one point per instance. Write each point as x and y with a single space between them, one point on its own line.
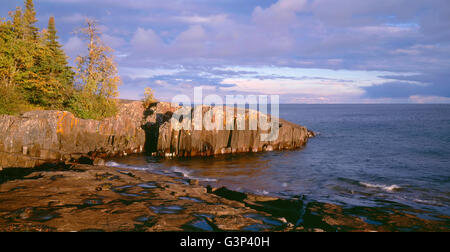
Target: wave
183 172
390 188
113 164
262 192
125 166
187 174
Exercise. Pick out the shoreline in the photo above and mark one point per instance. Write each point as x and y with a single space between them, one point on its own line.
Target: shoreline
76 197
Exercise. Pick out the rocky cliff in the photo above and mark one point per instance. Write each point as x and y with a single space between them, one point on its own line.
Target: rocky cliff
187 143
40 137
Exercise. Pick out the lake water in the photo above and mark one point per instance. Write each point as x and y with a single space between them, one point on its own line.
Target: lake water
364 155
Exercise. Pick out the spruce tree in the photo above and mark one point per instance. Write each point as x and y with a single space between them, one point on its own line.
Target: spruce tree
33 67
51 35
54 76
31 31
15 63
18 25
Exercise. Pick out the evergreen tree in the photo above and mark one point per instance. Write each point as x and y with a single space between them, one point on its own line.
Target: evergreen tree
16 57
14 62
18 23
29 17
26 46
33 65
34 71
55 77
51 35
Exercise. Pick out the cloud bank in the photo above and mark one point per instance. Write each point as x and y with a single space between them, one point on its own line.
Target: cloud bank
343 51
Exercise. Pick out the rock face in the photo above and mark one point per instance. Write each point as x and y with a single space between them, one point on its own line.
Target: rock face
188 143
40 137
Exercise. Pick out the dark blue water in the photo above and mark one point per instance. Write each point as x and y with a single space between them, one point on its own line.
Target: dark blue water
364 155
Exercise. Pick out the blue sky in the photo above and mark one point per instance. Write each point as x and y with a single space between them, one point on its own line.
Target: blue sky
307 51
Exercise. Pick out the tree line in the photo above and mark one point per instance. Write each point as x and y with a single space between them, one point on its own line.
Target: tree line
35 73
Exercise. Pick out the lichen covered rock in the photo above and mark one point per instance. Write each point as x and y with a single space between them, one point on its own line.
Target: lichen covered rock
188 143
40 136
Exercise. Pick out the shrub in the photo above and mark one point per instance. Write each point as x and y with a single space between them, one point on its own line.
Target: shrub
12 102
149 97
95 107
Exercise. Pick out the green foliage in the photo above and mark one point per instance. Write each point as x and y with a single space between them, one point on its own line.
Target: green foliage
97 78
87 106
12 101
29 21
54 78
32 63
9 99
35 74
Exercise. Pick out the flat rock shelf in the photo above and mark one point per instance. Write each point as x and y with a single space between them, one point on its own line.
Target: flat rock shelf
58 198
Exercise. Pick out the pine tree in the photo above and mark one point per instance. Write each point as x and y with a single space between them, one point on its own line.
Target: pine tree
18 23
33 67
15 52
54 77
51 35
14 63
26 47
31 31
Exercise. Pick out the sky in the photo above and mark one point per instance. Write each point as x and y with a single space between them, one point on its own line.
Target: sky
306 51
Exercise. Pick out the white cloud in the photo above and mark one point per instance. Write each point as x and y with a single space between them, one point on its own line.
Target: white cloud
74 47
136 73
146 40
282 12
161 83
207 20
195 33
113 41
290 87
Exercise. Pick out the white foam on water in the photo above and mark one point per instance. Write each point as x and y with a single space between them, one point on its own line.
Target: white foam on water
204 179
263 192
387 188
117 165
187 174
112 164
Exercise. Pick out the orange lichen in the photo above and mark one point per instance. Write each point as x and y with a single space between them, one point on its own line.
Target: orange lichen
73 123
59 126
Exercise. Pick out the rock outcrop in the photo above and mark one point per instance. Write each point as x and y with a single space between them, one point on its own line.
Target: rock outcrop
188 143
40 137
